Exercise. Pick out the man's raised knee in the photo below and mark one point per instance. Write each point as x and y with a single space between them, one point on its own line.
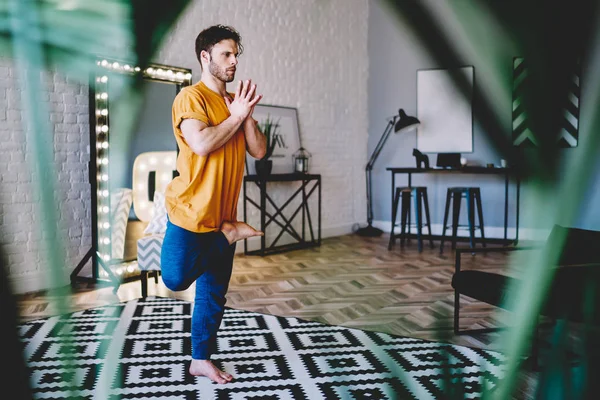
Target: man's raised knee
174 283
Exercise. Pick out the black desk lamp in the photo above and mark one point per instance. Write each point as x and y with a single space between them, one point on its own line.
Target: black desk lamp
400 123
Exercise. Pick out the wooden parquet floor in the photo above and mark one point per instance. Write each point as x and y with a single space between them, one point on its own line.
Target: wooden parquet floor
350 280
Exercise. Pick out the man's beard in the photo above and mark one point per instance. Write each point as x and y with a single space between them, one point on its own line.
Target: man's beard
220 73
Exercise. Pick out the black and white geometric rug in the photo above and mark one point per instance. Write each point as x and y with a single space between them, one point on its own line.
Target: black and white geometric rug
141 350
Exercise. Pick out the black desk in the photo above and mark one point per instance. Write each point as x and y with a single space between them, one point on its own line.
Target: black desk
309 184
507 172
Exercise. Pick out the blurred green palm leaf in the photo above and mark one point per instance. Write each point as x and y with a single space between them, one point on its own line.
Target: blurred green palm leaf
553 40
74 33
68 36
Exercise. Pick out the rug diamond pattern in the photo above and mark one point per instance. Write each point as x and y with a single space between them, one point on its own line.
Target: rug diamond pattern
140 349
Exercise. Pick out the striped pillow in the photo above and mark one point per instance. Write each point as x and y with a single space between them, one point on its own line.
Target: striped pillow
158 223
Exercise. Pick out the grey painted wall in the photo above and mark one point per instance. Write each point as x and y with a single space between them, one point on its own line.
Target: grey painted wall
395 56
152 132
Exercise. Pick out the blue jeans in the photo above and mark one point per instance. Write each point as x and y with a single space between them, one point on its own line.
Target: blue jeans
206 258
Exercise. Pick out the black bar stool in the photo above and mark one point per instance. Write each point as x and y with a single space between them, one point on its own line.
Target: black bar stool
473 196
419 194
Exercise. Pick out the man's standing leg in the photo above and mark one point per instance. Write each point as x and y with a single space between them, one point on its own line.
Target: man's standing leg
209 307
206 258
209 303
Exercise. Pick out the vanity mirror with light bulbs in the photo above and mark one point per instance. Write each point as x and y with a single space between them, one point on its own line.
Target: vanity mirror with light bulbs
127 167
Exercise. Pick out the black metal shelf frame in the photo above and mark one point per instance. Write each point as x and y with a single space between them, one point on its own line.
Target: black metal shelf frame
309 185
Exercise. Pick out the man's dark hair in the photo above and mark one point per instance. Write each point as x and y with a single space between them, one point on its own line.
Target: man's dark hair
213 35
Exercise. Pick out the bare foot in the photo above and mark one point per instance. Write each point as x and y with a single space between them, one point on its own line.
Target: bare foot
236 231
208 369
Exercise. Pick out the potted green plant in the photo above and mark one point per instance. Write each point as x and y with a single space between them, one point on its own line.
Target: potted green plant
269 129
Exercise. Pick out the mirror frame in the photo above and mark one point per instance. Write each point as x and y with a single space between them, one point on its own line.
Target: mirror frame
100 150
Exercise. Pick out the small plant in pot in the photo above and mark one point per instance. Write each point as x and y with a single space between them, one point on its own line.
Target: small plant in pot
269 129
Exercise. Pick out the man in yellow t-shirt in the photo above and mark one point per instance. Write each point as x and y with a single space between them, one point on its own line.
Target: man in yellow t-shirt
213 129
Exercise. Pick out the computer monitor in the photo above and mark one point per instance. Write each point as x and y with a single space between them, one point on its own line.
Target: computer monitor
448 160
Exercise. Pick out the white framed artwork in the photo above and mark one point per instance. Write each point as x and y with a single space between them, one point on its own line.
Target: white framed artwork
286 133
445 113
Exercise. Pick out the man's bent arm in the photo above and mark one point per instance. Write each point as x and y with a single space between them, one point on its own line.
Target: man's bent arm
256 143
204 139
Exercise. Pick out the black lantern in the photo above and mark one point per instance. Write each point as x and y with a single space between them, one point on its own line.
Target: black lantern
301 160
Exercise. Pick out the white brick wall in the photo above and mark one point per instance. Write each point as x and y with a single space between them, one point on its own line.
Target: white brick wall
308 54
67 103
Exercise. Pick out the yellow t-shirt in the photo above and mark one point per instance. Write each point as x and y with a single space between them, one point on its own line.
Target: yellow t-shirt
207 189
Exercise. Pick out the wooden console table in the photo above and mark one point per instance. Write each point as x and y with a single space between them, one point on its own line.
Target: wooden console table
309 184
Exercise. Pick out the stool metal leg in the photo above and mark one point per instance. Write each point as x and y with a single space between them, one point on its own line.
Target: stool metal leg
405 213
471 217
456 200
408 220
426 201
394 216
480 216
446 213
418 218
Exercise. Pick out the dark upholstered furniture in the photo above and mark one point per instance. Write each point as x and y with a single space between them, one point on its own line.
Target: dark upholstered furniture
577 272
419 195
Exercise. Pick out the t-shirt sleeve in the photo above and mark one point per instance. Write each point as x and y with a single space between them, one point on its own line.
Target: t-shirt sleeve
188 105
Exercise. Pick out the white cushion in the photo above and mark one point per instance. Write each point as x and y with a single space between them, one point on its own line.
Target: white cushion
158 223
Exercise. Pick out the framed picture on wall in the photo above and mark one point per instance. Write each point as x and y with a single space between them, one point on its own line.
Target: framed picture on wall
523 135
286 133
444 111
